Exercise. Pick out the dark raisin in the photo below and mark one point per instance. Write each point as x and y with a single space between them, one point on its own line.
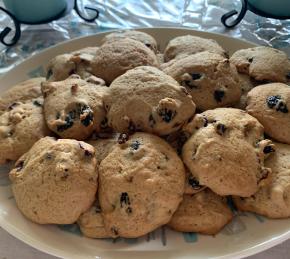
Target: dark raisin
194 183
221 128
129 210
205 121
152 122
135 145
12 106
19 166
166 157
37 103
250 60
167 115
57 115
148 45
49 74
123 137
273 100
48 156
124 199
104 123
276 102
288 76
87 152
114 231
195 76
268 149
282 107
219 95
69 121
89 115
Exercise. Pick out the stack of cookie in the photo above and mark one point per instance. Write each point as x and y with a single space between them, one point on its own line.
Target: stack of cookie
123 139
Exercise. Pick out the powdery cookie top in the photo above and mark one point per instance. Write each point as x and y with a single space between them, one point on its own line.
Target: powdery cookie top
204 212
21 92
263 64
140 186
77 62
115 58
92 224
272 200
73 108
226 152
146 99
21 125
142 37
210 79
182 46
55 181
270 104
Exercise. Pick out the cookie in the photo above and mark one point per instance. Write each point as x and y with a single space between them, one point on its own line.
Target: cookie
55 181
270 104
192 186
73 108
21 92
146 99
272 200
185 45
204 212
210 79
263 64
103 147
21 125
115 58
77 62
142 37
225 152
246 84
140 186
91 223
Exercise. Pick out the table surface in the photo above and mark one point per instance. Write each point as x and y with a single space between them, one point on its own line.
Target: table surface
119 14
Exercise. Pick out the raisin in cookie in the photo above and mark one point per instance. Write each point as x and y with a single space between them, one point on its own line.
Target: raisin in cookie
263 64
92 224
140 186
73 108
210 79
21 92
183 46
142 37
192 185
270 104
146 99
115 58
204 212
77 62
21 125
272 200
55 181
225 152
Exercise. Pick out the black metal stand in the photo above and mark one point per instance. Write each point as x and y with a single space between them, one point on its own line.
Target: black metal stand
245 7
17 23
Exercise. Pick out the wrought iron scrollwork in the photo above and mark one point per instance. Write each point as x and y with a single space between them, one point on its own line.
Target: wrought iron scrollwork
87 19
237 20
4 33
